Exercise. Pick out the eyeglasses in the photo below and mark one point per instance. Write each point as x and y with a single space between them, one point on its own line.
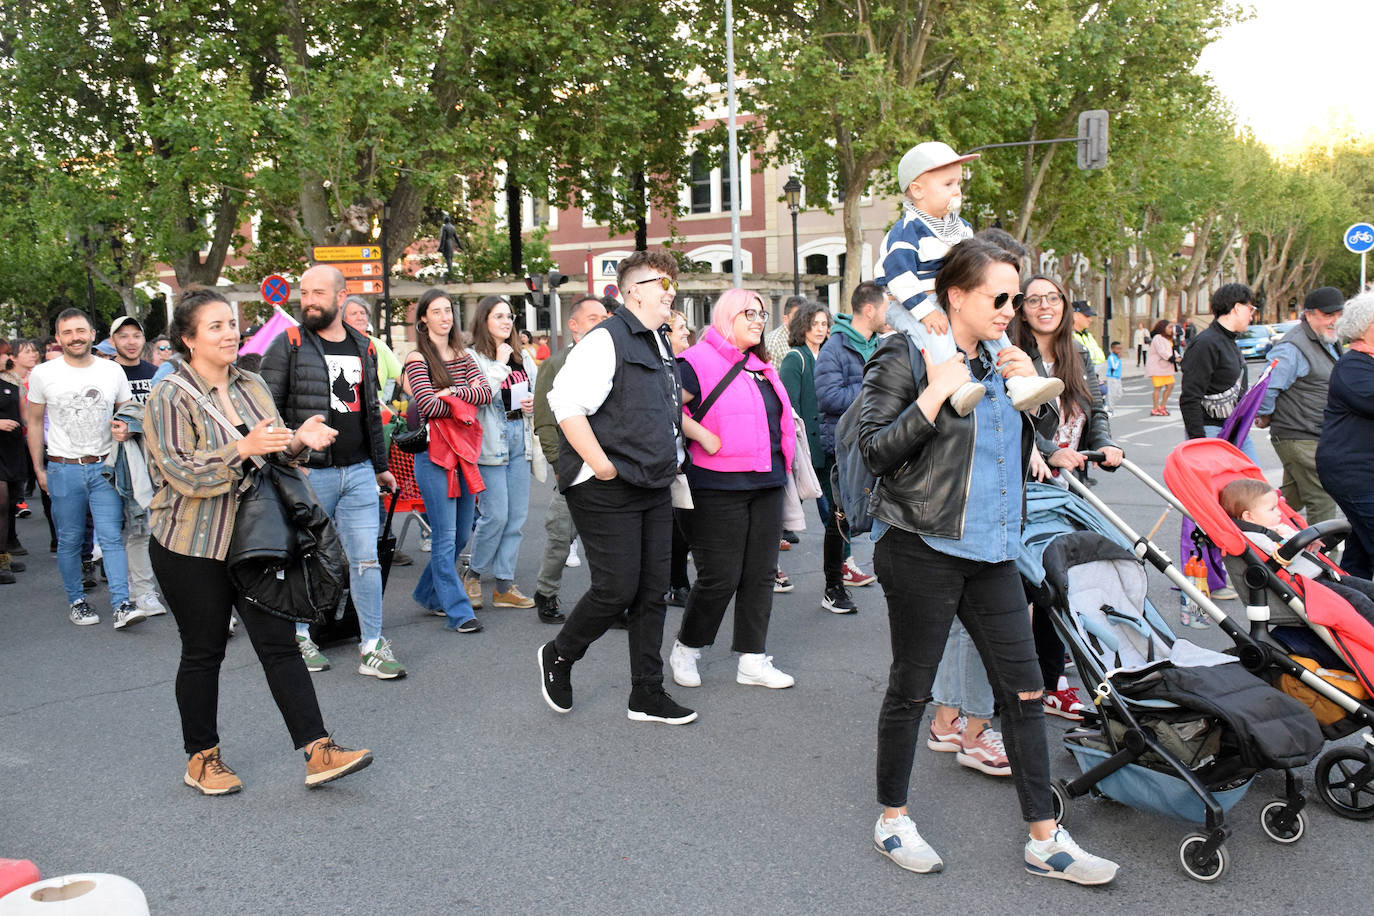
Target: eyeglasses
665 282
1047 299
752 315
1000 300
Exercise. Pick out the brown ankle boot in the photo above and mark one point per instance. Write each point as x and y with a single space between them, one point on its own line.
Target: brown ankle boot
6 575
326 761
208 773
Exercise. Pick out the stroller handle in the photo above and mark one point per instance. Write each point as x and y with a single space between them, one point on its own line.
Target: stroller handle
1097 458
1331 532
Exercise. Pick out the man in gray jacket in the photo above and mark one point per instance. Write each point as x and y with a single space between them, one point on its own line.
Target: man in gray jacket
1293 406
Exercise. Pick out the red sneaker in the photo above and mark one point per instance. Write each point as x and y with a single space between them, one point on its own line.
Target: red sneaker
854 577
1065 704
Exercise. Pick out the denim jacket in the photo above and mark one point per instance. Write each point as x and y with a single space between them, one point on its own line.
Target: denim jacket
492 416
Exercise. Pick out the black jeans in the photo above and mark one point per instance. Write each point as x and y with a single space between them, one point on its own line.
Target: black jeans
200 596
835 546
924 590
682 520
735 536
627 539
1048 646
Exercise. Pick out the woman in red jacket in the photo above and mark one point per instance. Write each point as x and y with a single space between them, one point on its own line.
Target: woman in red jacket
440 367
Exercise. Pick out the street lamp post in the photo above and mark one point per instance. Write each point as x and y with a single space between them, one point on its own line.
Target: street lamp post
793 190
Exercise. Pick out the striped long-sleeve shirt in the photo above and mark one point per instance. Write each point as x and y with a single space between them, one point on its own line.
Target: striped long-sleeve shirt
194 464
469 383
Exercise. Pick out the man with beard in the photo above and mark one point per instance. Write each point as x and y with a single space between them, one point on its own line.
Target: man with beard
1293 406
79 395
328 368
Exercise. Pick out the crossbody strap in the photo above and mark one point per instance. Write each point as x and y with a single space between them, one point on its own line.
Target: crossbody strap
717 391
207 404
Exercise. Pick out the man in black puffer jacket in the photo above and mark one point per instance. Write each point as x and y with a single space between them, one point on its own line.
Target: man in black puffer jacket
326 367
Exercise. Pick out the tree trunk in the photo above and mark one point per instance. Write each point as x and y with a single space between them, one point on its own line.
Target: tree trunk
853 245
514 220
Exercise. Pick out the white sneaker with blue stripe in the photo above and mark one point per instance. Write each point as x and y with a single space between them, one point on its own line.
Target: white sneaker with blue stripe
1060 857
898 840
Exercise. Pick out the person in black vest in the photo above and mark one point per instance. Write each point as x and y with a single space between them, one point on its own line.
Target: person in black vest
618 403
1292 407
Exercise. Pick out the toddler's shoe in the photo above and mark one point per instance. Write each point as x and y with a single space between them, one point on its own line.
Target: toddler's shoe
1028 393
966 397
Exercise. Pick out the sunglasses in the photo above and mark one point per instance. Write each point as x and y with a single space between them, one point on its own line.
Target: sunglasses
163 348
665 282
1000 300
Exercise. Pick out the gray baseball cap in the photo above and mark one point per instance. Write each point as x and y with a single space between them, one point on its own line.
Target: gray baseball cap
923 157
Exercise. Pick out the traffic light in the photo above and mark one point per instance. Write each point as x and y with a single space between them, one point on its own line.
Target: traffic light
556 279
1092 139
535 285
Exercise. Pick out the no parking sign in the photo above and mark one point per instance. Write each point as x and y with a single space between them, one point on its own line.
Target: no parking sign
275 289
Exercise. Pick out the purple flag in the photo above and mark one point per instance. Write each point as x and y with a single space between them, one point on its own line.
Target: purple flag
279 322
1234 430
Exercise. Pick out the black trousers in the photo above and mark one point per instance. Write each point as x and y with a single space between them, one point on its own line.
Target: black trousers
200 597
1048 646
627 539
925 589
682 520
835 546
735 536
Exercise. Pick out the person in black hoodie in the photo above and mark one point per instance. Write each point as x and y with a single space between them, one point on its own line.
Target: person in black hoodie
1214 377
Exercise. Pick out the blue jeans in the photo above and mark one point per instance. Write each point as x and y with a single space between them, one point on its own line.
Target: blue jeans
505 504
74 488
349 495
961 681
1214 432
450 520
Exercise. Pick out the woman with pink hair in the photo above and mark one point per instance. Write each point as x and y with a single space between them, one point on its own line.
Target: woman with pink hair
731 389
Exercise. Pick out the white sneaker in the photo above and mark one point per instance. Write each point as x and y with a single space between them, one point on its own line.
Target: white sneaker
1060 857
756 669
573 561
128 614
900 842
424 545
151 605
966 397
683 661
1028 393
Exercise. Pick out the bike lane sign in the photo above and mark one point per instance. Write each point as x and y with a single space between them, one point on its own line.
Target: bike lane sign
1359 238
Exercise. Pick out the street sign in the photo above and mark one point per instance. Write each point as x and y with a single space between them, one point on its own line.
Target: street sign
364 287
611 290
1359 238
327 253
275 289
356 269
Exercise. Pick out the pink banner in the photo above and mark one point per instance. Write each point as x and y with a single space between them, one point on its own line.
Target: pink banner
259 342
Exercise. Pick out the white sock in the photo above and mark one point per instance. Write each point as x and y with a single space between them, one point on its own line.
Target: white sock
368 645
303 629
1062 685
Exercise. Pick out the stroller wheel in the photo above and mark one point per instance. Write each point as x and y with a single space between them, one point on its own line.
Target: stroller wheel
1061 801
1202 868
1282 824
1345 782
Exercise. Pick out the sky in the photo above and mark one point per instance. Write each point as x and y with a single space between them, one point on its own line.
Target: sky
1296 66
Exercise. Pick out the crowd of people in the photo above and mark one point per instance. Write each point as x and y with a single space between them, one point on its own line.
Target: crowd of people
663 443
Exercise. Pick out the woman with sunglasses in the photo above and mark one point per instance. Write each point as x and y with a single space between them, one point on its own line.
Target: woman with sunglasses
1044 329
963 539
737 491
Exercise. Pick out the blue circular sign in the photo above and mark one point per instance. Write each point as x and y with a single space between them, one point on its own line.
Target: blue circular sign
1359 238
275 289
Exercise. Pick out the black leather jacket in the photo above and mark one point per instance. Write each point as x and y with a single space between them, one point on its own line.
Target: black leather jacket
1097 432
924 469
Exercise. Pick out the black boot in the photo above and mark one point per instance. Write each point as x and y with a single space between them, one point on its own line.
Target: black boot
547 608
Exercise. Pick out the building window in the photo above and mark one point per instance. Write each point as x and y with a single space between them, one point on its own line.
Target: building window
701 183
725 182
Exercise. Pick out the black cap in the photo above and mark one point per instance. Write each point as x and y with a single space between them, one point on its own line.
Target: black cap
1325 299
1082 307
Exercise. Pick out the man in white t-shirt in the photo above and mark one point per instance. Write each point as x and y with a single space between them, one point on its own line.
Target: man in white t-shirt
79 395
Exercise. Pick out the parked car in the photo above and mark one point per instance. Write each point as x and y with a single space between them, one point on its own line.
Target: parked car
1276 331
1254 342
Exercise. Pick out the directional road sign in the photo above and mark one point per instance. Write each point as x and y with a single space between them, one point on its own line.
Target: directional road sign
276 290
364 287
356 269
1359 238
326 253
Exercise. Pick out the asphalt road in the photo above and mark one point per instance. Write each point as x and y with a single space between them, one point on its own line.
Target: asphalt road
481 799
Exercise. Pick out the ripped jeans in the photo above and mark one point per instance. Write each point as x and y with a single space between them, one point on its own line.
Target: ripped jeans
925 589
349 495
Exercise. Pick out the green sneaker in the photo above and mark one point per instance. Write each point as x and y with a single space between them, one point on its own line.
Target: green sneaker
314 658
380 663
